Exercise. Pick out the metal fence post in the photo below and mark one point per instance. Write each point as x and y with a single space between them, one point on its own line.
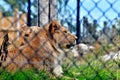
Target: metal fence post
78 33
29 13
38 14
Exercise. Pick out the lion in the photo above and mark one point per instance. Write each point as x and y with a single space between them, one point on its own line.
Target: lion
43 49
26 33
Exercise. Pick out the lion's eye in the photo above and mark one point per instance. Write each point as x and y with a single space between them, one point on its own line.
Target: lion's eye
57 27
26 35
65 31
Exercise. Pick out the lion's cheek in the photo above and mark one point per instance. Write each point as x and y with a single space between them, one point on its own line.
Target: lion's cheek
71 38
58 38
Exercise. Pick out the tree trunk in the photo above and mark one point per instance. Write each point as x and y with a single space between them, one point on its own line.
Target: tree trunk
53 10
47 11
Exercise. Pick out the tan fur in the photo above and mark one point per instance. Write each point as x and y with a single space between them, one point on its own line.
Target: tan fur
44 50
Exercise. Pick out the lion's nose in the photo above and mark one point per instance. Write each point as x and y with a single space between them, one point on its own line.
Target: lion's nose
75 37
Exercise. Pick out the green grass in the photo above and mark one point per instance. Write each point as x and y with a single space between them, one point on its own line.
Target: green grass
95 70
25 75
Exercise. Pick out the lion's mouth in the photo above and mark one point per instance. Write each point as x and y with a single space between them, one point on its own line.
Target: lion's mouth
67 46
70 45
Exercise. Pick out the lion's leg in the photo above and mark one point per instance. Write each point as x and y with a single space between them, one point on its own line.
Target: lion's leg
55 64
57 70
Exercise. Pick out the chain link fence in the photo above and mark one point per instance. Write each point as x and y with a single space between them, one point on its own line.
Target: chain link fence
35 46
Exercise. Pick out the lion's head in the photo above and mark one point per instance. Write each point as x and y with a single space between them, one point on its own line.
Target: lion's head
28 33
61 35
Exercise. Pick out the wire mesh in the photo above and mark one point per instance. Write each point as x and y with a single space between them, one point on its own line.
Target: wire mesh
49 51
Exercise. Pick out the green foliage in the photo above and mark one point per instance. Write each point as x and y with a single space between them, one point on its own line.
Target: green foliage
96 70
12 5
17 4
25 75
1 8
21 5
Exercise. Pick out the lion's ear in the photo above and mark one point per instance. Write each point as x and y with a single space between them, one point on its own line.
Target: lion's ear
53 28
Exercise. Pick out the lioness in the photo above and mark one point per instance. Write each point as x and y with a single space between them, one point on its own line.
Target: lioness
44 50
27 33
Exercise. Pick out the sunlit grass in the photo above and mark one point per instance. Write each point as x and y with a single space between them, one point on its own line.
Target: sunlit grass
94 70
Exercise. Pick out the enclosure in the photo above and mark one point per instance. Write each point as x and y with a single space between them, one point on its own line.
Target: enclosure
96 23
